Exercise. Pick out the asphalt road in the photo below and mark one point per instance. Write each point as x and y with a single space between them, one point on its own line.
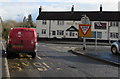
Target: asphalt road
100 52
54 60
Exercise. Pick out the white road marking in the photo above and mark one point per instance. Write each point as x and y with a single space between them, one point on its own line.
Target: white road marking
7 69
39 57
46 65
44 45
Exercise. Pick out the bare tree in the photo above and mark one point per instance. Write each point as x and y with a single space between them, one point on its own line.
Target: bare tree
30 22
25 22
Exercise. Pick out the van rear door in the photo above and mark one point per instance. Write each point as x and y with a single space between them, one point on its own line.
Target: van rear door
22 39
28 39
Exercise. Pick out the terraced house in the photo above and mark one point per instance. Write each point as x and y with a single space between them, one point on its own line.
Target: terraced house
105 25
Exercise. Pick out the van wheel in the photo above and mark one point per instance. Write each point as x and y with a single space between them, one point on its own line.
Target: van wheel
114 50
8 54
17 55
33 54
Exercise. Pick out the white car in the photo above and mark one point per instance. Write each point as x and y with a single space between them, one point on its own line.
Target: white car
115 47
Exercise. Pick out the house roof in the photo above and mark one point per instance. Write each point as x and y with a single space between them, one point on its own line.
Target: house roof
77 15
72 28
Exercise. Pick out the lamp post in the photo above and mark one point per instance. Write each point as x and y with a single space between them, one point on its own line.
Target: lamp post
84 20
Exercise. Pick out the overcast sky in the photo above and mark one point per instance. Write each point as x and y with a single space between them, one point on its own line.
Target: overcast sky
17 9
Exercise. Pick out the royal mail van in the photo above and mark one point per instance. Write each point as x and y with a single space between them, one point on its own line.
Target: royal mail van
21 40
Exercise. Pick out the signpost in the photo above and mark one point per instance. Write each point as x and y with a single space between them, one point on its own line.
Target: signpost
85 29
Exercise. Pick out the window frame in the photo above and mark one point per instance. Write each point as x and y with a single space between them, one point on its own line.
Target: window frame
44 31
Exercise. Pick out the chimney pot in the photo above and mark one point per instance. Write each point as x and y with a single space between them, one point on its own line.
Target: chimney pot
100 7
40 9
72 9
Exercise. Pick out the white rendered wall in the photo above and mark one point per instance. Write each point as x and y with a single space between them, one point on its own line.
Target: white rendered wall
119 22
119 6
67 24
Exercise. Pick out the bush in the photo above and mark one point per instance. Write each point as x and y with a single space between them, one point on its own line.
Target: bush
5 33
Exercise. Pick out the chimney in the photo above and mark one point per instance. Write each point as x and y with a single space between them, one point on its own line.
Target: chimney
40 9
72 9
100 7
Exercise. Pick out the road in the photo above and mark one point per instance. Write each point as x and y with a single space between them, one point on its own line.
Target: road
54 60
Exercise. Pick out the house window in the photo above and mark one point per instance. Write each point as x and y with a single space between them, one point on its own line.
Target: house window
99 34
60 22
43 31
66 33
37 34
44 22
114 35
72 33
93 34
53 33
99 25
60 32
114 24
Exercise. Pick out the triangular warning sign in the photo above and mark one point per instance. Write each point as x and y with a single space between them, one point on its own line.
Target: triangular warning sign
84 29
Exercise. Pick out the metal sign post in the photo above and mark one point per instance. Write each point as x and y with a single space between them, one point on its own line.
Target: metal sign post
84 43
84 31
96 40
85 20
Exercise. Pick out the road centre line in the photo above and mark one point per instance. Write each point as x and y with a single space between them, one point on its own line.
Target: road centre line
44 45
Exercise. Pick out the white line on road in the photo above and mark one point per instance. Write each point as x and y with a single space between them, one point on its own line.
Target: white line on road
39 57
7 69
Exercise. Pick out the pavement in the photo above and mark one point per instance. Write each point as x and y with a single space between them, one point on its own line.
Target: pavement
0 60
101 53
4 74
77 43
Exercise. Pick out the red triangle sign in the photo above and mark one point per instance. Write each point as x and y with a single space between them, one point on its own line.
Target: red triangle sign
84 29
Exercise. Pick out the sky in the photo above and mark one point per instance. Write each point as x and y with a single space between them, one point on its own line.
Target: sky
17 9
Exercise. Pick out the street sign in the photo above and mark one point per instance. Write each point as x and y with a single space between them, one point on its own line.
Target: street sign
85 30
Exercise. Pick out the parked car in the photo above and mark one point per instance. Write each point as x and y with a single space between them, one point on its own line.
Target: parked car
21 40
115 47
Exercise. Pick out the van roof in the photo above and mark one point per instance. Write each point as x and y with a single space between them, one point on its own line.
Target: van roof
23 29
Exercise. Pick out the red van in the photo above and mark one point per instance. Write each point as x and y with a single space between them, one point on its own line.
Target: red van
21 40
